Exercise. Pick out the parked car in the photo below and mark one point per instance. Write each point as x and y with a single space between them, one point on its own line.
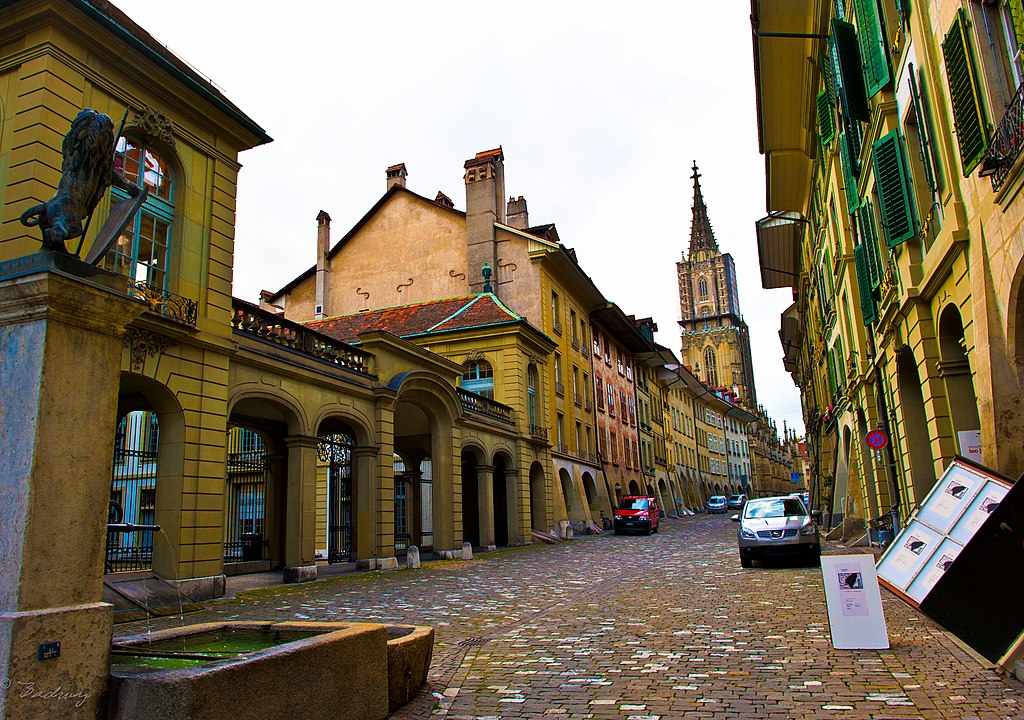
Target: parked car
717 504
736 502
637 513
777 526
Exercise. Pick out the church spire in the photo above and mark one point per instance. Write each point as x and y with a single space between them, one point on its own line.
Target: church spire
702 237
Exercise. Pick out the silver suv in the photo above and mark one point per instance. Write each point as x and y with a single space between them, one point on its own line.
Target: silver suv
777 526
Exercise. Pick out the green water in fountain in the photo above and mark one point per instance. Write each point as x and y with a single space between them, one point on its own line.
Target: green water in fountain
214 646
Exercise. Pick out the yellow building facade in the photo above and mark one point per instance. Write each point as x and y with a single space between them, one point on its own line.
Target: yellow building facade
892 187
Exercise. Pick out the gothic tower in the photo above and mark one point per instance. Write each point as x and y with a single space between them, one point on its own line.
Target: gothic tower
715 340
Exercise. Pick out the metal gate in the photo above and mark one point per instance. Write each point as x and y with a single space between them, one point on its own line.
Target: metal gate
133 492
336 451
403 495
247 474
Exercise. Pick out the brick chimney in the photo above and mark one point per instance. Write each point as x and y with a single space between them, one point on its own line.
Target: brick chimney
485 205
397 175
323 272
517 215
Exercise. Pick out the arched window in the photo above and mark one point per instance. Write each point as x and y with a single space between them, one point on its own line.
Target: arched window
144 247
702 288
710 367
478 377
531 394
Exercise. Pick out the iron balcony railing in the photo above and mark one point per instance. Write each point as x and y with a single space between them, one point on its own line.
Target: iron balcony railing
168 304
1007 143
484 406
539 432
252 320
559 389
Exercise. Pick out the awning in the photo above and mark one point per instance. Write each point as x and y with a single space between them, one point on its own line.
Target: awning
778 246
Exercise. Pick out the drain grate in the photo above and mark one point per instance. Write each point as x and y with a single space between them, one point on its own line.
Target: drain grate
472 642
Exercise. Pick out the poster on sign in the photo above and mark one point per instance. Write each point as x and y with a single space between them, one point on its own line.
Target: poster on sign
937 564
970 444
854 602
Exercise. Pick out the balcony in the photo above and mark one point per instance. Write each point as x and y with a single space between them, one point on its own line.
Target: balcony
1007 142
539 432
557 328
588 406
484 406
575 343
585 351
577 399
251 320
563 448
162 302
559 389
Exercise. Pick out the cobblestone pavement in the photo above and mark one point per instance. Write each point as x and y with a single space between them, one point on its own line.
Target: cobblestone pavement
640 628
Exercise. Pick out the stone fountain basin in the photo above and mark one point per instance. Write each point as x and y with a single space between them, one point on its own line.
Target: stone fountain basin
337 670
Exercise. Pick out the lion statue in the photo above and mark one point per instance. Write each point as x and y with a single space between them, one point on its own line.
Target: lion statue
86 172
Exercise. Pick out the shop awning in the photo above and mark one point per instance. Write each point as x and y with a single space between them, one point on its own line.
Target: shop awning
778 247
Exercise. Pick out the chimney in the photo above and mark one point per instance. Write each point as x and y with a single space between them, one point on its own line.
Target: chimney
517 215
323 273
485 205
397 175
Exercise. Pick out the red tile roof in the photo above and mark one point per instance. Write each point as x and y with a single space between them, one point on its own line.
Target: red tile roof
409 320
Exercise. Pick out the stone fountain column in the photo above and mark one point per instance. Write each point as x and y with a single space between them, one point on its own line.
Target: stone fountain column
61 327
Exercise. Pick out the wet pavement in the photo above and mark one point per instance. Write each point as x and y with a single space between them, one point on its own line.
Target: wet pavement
639 628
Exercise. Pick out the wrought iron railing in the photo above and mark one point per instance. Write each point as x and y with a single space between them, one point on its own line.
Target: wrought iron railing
560 389
484 406
575 342
168 304
538 431
1007 142
585 351
577 399
563 448
588 406
252 320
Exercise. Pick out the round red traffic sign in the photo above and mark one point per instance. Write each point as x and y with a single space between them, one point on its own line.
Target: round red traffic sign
877 439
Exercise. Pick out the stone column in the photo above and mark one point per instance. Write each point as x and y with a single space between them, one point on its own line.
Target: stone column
485 505
300 510
61 344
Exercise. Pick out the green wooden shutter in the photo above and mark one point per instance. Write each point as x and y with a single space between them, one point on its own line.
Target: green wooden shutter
923 128
851 84
867 300
1017 14
893 184
869 237
873 53
968 113
851 185
826 128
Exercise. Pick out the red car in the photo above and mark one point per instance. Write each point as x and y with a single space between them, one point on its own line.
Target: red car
637 512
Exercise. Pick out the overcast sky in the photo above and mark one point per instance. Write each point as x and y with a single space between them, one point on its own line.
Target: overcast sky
601 109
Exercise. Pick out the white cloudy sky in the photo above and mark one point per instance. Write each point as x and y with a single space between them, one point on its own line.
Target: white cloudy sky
601 108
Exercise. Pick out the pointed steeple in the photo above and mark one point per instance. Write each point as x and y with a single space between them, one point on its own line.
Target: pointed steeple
702 237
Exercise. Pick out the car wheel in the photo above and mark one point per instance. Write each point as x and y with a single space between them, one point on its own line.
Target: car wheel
746 562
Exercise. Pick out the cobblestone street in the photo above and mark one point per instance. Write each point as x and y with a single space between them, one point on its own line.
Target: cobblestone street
666 626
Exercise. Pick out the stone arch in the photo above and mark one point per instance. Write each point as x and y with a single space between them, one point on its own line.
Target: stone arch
341 477
914 425
634 488
590 491
141 393
955 370
502 498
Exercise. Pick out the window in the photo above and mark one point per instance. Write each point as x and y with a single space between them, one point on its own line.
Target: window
710 367
556 314
702 288
615 449
968 114
143 249
560 428
622 404
576 394
559 387
896 204
632 412
586 390
572 327
478 377
611 400
531 394
618 360
579 437
600 393
999 42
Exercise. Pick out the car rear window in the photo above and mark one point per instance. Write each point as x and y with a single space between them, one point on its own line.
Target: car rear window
634 504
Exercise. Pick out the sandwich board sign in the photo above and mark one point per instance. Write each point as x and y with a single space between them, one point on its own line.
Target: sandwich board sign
854 602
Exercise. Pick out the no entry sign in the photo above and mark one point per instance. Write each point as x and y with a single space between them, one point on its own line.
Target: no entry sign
877 439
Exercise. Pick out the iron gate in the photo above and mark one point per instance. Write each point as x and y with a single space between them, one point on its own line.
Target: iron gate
133 492
336 451
247 472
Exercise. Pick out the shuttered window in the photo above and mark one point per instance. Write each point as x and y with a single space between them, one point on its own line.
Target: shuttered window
869 238
851 78
851 185
968 114
899 221
826 128
873 55
924 129
867 301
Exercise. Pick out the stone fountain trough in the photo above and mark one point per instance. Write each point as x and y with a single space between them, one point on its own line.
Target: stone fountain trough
268 671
